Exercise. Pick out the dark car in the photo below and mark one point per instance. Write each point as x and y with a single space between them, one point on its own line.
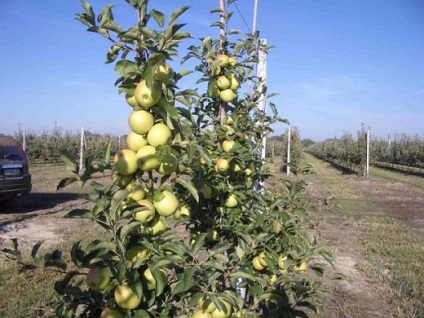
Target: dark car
15 179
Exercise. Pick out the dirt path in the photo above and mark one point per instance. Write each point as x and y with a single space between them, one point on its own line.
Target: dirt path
353 199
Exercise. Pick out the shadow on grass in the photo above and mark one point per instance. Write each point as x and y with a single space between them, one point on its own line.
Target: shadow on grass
38 201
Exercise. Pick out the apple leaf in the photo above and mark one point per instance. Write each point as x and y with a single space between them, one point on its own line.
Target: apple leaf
125 66
189 186
158 16
177 13
35 249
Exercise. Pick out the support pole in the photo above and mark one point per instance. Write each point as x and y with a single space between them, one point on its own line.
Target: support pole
82 150
368 154
288 149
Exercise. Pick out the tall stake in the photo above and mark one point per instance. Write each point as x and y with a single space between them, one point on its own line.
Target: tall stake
222 33
288 149
82 150
368 154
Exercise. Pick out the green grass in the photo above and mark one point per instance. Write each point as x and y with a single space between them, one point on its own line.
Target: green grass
397 177
392 249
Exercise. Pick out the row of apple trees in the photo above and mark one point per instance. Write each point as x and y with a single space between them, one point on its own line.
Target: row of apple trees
347 152
192 231
46 146
401 149
278 146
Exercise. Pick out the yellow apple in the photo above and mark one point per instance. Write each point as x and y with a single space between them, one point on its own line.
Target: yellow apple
207 305
136 141
163 73
223 59
229 130
146 158
166 204
140 121
227 95
98 278
183 210
213 91
159 135
248 172
147 214
212 235
233 61
301 267
111 313
215 70
157 226
227 145
121 180
131 100
257 264
126 298
231 201
221 165
133 254
281 261
223 82
225 312
150 279
168 164
145 96
201 314
234 82
125 162
136 191
236 167
262 259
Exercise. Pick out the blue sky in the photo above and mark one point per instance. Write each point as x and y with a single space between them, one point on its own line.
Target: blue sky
336 64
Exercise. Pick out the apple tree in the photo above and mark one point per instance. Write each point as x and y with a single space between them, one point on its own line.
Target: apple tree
195 228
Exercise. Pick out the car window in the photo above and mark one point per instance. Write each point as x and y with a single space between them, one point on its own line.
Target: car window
11 150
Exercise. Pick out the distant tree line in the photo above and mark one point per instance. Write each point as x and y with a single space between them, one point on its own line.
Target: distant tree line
46 146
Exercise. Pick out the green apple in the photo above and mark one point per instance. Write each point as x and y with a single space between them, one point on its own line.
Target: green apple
159 135
183 210
140 121
301 267
136 191
231 201
157 226
98 278
111 313
133 254
147 214
223 82
281 261
121 180
166 203
168 164
201 314
224 60
146 158
213 91
225 312
147 96
136 141
221 165
257 264
235 84
131 100
229 130
126 298
233 61
227 145
163 73
248 172
262 259
125 162
227 95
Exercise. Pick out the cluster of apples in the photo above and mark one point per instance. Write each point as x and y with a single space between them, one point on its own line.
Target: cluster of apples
148 133
260 263
224 82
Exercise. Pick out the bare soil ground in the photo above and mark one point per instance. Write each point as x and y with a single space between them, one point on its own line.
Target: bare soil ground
39 216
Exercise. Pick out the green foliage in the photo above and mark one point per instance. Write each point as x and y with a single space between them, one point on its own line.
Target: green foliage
169 264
